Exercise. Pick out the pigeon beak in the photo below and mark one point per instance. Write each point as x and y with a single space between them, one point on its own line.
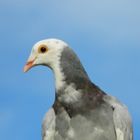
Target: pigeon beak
29 65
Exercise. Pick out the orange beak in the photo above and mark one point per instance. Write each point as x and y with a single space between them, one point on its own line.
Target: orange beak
28 65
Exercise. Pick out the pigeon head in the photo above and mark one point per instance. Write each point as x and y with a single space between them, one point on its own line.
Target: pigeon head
45 52
64 63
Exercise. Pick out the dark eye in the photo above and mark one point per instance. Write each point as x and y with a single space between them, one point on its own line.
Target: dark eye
43 49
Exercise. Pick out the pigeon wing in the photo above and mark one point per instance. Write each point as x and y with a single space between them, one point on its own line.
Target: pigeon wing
122 119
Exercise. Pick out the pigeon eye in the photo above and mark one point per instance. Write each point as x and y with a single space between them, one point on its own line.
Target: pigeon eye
43 49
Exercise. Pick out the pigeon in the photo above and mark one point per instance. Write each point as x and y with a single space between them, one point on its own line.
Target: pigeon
81 110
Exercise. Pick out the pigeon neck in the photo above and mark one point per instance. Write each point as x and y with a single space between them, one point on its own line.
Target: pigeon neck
71 78
73 86
69 71
59 77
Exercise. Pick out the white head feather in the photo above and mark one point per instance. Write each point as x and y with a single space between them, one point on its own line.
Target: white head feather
50 57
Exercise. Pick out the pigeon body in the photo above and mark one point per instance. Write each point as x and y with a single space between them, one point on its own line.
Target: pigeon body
81 111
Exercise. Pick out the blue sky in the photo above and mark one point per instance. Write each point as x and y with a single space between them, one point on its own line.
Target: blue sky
106 36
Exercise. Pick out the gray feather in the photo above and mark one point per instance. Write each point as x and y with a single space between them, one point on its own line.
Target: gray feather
122 119
95 116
